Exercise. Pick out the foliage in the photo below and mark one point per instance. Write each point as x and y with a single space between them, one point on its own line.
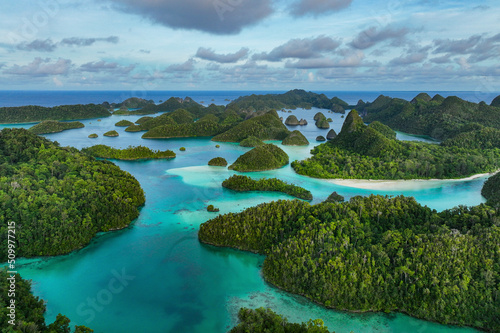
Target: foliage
34 113
439 117
29 309
478 138
362 152
129 103
290 100
58 197
181 125
496 101
212 209
111 133
93 136
265 320
131 153
265 157
265 127
296 138
182 148
251 141
491 190
143 119
124 123
335 197
376 254
244 184
383 129
53 126
218 161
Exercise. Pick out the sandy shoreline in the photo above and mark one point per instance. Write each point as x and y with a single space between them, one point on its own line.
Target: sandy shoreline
402 184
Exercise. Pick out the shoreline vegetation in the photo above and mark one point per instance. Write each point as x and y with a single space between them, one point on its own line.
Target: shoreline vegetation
128 154
63 205
53 126
245 184
374 254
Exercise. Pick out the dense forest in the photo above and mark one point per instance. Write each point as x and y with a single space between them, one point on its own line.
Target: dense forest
130 153
266 320
264 127
261 158
244 184
292 99
59 198
218 161
34 113
53 126
296 138
438 117
372 152
376 254
29 309
251 141
129 103
491 190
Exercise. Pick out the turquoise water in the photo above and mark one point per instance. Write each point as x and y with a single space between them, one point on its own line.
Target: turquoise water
156 277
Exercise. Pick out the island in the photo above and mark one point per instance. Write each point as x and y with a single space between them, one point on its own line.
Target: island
261 158
60 192
218 161
438 117
266 320
292 121
331 134
53 126
321 121
93 136
112 133
375 253
296 138
320 138
251 141
130 153
34 113
372 152
245 184
212 209
124 123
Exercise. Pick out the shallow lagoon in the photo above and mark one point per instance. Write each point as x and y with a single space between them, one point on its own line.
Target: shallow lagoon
156 277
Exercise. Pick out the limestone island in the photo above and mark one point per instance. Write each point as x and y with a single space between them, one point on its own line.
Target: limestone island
218 161
244 184
261 158
130 153
112 133
124 123
93 136
251 141
53 126
296 138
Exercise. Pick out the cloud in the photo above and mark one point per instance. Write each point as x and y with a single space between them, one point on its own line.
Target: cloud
145 51
77 41
372 36
220 17
461 46
441 60
41 67
209 54
350 59
103 66
187 66
46 45
306 48
409 59
318 7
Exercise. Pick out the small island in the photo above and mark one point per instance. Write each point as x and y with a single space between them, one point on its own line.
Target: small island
53 126
112 133
212 209
331 134
292 121
261 158
320 138
245 184
131 153
296 138
321 121
251 141
93 136
218 161
124 123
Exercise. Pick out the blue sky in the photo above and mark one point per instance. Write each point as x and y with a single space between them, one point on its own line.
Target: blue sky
250 45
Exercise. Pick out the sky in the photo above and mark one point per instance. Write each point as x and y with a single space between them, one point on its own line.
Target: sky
329 45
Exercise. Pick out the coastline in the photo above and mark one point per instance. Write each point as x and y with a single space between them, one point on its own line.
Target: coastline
402 184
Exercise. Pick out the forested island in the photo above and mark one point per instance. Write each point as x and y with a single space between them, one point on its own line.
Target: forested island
266 320
34 113
376 254
245 184
261 158
296 138
130 153
372 152
437 117
53 126
218 161
29 309
61 196
491 190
